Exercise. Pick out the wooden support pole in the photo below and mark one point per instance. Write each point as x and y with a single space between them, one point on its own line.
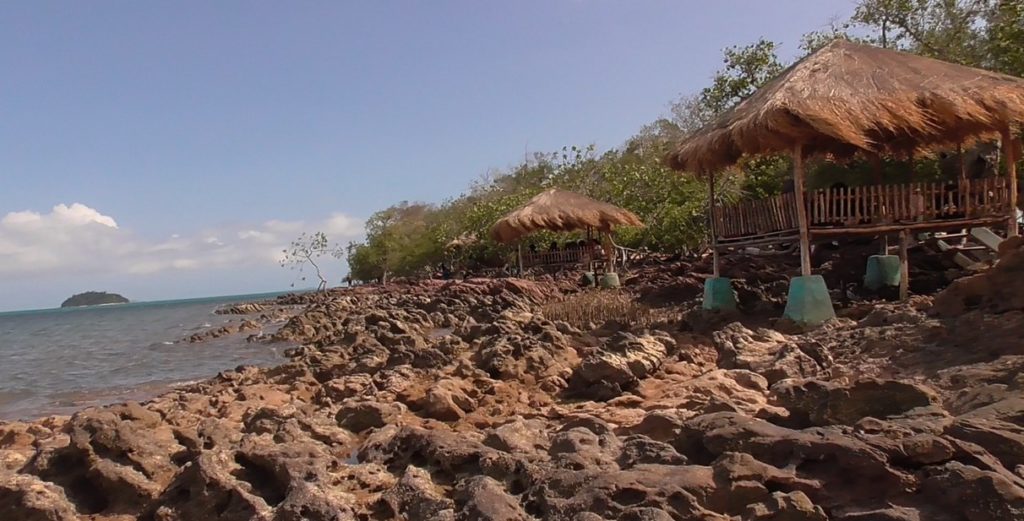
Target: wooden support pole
904 264
801 210
877 174
963 161
1011 173
711 224
519 257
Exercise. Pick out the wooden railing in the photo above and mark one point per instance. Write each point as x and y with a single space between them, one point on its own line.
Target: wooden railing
863 206
913 202
561 257
757 217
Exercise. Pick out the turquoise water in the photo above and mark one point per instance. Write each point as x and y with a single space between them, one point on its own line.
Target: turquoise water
55 361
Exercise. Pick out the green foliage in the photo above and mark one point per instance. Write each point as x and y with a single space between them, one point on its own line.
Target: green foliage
746 69
1006 37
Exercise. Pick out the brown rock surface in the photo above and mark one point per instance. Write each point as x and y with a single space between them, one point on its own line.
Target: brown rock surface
441 400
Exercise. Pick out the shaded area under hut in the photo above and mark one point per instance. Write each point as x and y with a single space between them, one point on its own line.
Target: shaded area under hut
848 101
562 211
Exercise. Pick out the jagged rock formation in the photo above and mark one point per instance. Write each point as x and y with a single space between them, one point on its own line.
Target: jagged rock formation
461 401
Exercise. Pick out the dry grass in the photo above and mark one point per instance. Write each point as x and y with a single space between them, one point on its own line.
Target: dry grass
849 97
595 307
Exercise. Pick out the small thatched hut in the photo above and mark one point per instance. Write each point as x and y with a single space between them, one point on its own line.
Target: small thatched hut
561 211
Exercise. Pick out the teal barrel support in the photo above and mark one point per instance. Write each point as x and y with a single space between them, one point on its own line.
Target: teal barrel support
588 279
882 270
719 295
610 281
809 303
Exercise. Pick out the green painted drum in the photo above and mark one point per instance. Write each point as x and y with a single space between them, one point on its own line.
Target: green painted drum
809 303
719 295
881 271
610 281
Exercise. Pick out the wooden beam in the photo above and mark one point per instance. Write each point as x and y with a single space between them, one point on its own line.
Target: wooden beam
801 210
711 224
904 265
951 224
1011 173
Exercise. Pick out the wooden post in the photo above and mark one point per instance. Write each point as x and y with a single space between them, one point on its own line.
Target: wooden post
801 210
590 250
904 265
876 171
1011 173
519 257
963 161
711 224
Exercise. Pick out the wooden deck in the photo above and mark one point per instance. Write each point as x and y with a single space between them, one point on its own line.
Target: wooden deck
863 210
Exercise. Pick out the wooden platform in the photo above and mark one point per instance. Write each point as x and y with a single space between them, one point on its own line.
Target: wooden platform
865 210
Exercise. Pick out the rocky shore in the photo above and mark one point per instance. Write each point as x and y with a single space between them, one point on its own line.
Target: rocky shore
466 400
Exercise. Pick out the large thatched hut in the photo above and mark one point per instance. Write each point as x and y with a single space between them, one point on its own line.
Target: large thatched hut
851 99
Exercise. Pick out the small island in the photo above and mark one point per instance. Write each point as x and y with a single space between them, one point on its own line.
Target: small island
93 298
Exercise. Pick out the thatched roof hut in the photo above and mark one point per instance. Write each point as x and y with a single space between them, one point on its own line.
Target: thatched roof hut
561 211
849 97
462 241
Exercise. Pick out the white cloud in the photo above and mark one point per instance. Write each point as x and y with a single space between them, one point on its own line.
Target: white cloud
79 239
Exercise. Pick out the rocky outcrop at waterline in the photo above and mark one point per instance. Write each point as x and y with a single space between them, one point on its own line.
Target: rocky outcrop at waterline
464 401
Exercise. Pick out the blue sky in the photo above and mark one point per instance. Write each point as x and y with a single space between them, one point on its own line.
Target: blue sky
210 132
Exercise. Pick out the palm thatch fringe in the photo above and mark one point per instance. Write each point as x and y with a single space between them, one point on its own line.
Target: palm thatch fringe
561 211
847 98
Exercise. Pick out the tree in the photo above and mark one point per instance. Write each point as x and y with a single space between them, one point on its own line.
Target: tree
305 250
1006 37
951 30
746 70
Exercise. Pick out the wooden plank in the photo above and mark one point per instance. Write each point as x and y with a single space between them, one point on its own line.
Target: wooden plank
987 238
1011 174
714 236
904 265
801 210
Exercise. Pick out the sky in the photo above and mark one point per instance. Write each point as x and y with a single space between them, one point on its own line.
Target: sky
172 149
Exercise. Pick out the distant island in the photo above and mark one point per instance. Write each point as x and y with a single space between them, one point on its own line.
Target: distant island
93 298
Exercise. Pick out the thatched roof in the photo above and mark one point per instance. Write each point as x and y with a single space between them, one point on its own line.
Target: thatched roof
466 239
561 211
850 97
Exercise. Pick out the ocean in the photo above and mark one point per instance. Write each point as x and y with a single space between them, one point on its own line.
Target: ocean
57 361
